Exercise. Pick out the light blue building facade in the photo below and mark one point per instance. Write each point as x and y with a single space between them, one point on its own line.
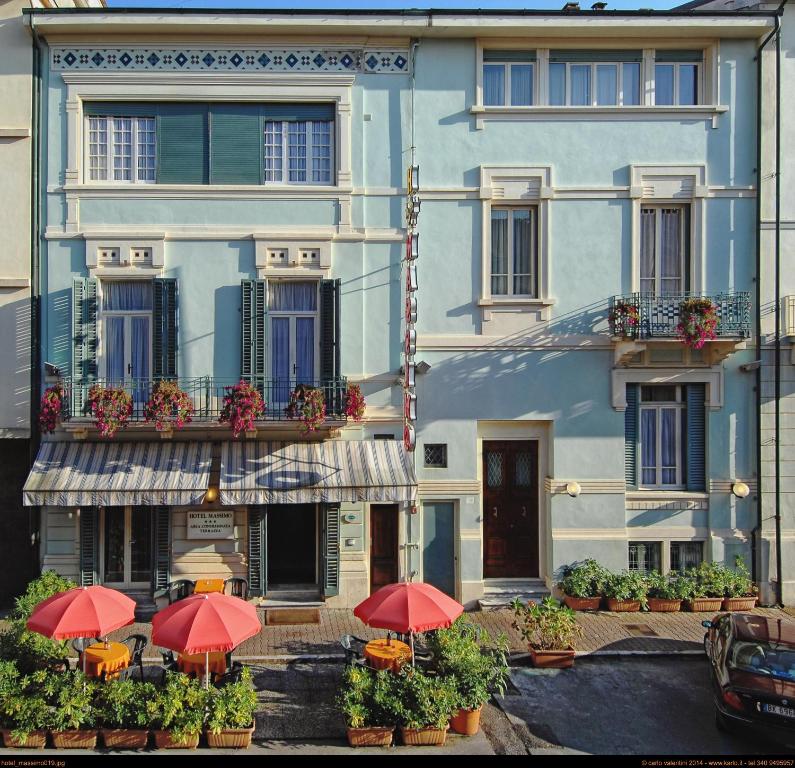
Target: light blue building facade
232 205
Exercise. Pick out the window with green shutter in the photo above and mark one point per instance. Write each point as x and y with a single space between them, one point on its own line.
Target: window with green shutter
84 340
235 144
257 550
182 144
331 549
89 546
165 328
253 313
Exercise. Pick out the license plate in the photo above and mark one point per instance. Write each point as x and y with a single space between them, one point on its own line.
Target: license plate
775 709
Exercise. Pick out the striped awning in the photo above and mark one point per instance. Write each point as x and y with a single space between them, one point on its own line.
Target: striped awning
301 473
109 474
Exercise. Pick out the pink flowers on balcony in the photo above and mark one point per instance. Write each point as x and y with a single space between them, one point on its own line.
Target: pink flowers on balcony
50 408
698 320
243 405
168 406
111 408
354 403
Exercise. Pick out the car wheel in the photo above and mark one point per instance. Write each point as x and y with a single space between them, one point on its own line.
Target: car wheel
720 722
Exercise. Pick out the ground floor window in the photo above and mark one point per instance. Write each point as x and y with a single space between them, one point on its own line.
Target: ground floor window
126 545
645 556
686 554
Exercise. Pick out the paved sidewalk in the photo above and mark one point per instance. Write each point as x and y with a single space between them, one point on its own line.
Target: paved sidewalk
604 633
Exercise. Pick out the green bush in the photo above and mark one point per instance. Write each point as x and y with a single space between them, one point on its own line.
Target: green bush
672 587
424 700
628 585
368 698
179 706
548 625
233 705
716 580
585 579
71 697
23 704
477 665
124 703
29 649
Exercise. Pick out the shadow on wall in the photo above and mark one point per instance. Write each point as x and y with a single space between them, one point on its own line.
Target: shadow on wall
15 322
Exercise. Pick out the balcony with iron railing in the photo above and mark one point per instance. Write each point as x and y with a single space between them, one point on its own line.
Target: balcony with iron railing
207 397
646 317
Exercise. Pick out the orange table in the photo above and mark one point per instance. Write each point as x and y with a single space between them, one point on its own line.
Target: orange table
383 656
110 660
203 586
193 664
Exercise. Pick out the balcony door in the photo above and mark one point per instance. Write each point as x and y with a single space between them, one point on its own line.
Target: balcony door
664 249
127 547
292 309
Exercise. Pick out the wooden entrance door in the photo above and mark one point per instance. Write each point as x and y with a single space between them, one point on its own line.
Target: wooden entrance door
510 509
383 545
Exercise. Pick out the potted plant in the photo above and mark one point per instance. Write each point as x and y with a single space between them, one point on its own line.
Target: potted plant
698 321
308 405
550 629
168 407
741 593
626 591
24 713
366 699
582 585
111 408
477 666
124 714
243 405
425 704
707 587
666 593
178 712
50 408
624 319
354 403
230 719
71 696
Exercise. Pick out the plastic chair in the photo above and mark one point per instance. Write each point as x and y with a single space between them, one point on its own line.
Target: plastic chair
353 647
233 675
137 651
169 664
180 589
236 587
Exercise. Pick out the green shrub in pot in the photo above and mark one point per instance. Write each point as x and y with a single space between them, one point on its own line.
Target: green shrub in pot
585 579
124 704
23 707
671 587
179 707
628 585
233 705
71 696
424 700
739 583
367 697
548 625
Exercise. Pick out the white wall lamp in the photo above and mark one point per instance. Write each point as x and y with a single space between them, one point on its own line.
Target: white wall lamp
573 488
740 489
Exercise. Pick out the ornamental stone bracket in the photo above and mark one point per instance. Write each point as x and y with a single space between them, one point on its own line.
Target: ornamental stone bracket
624 350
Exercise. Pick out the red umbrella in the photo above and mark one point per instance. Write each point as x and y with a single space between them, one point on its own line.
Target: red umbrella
82 612
407 608
204 623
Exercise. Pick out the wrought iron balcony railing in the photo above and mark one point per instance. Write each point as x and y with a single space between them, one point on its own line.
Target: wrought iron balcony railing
649 315
207 395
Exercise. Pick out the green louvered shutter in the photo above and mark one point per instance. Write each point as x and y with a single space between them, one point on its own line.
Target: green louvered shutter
696 437
164 333
161 548
631 433
182 144
253 315
330 342
89 546
84 340
331 550
257 550
235 144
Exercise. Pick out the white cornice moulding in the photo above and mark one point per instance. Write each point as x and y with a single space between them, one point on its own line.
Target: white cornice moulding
15 133
14 282
464 487
557 487
712 377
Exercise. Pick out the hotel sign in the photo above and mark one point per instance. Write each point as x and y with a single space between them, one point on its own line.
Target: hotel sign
211 525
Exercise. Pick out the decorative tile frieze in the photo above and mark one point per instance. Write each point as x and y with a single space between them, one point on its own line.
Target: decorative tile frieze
69 58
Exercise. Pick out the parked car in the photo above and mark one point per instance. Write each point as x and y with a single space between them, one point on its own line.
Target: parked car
753 673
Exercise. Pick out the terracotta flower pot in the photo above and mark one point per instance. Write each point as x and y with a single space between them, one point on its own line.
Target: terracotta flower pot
35 739
377 736
663 605
582 603
423 737
125 738
698 604
164 740
230 738
621 606
466 721
739 603
555 659
74 738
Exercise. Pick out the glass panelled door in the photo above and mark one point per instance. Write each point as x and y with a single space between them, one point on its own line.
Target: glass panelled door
126 548
292 309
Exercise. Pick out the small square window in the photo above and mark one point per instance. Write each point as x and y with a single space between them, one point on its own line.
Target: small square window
686 554
645 556
435 454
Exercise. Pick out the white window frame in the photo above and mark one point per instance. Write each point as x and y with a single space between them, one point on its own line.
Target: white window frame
593 65
671 543
511 209
676 65
292 314
684 241
507 68
126 582
679 406
646 542
127 314
134 127
310 156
